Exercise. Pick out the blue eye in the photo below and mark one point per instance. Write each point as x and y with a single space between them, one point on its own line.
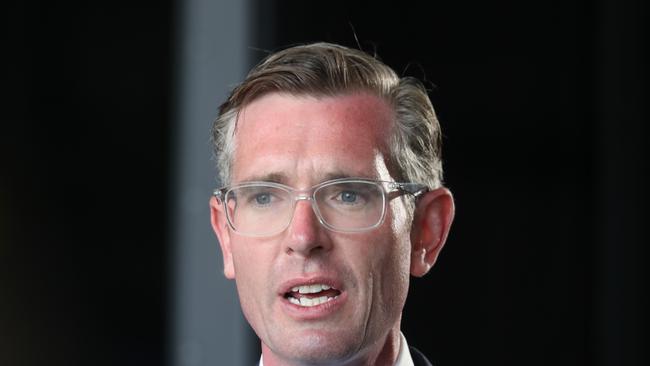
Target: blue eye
263 198
348 196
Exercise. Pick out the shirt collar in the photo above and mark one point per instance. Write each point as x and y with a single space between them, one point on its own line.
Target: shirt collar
403 357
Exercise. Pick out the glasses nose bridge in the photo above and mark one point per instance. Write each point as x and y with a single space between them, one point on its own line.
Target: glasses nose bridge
305 195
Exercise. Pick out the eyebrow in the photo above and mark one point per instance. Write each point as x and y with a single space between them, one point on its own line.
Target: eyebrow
277 177
270 177
337 175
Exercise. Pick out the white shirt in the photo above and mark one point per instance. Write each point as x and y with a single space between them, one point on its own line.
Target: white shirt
403 357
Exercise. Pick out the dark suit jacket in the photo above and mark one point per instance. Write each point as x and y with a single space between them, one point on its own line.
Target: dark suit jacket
418 358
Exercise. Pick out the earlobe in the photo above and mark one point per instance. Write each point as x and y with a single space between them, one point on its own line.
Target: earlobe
220 227
434 214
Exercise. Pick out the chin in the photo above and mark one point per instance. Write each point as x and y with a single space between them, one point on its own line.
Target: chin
320 348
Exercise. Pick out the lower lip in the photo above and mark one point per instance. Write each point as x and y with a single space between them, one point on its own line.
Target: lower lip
314 312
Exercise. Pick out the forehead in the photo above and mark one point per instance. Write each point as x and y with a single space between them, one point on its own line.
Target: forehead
309 138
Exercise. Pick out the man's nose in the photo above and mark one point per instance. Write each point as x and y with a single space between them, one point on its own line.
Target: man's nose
305 233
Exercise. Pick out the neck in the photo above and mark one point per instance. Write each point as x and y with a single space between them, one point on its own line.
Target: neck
387 355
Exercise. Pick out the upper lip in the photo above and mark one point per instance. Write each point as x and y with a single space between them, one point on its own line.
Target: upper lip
286 286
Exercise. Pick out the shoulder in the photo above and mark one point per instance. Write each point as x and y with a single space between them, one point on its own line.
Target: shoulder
418 358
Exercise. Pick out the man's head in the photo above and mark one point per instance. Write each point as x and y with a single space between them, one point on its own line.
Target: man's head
322 270
323 69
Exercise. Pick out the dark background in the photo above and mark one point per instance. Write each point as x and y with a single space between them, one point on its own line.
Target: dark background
542 107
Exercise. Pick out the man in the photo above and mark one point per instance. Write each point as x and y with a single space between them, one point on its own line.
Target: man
332 197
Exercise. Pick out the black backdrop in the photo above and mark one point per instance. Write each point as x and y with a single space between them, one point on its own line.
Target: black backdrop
542 108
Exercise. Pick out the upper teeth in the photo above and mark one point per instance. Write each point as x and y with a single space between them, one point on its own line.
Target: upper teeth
310 289
305 301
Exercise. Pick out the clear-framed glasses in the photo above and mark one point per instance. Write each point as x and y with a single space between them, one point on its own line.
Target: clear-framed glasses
347 205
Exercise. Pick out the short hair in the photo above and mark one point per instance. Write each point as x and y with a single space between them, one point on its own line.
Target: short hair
324 69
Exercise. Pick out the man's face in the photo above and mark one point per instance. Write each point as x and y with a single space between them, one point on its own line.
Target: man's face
300 142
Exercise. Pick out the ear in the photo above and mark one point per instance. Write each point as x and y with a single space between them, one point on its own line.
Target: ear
220 226
434 213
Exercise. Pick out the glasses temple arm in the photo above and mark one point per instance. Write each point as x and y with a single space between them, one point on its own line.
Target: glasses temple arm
416 189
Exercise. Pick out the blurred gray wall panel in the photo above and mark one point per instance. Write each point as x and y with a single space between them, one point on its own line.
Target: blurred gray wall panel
207 327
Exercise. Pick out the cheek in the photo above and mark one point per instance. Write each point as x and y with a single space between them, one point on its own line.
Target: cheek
394 267
385 277
393 286
250 276
386 261
401 230
400 218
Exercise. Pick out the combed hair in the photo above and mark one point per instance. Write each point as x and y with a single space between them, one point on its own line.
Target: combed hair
324 69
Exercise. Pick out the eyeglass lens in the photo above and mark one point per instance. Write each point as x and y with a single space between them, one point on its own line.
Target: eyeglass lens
342 206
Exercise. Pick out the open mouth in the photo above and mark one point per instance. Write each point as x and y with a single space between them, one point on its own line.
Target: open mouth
311 295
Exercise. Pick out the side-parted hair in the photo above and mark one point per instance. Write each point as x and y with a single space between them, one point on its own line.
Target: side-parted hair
323 70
